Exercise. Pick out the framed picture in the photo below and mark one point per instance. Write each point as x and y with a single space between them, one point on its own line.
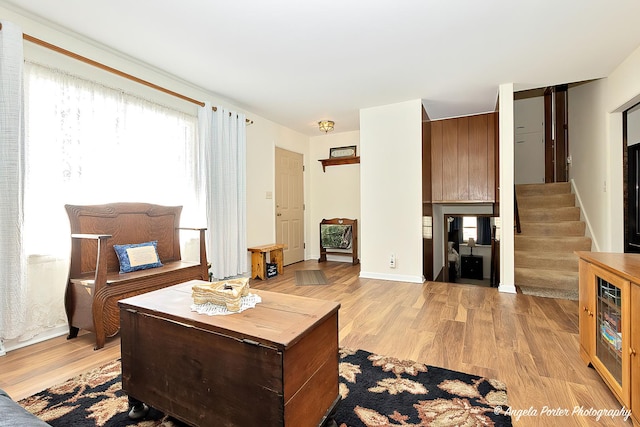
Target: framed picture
338 152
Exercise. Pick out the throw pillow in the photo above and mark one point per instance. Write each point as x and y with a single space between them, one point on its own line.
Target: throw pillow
138 256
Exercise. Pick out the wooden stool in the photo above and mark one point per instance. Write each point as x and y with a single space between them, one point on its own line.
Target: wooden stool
259 259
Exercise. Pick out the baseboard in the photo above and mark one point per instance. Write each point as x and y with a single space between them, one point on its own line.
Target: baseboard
392 277
585 217
10 345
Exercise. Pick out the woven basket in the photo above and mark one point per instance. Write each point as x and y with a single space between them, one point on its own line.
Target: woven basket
226 292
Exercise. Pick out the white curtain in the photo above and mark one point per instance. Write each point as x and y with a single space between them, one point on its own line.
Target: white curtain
223 141
84 143
13 290
89 144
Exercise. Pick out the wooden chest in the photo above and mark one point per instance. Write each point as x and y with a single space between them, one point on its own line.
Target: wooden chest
273 365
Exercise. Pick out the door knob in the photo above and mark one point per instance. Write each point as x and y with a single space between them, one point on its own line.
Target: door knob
278 214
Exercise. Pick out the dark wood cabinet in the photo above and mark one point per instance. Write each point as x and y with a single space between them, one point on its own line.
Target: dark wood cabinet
463 159
272 365
471 267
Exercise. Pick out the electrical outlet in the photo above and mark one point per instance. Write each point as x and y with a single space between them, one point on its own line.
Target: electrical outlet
392 261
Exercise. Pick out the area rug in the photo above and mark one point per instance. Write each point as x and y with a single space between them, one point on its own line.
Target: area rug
310 277
376 391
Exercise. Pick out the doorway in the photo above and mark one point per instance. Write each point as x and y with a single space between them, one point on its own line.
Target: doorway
541 131
631 185
556 113
290 204
468 251
529 154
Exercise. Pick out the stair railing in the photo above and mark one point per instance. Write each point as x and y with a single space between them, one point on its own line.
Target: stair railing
515 204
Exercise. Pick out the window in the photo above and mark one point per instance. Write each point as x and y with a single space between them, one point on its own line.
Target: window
469 228
87 143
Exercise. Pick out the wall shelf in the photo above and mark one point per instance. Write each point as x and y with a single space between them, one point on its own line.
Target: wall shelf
339 161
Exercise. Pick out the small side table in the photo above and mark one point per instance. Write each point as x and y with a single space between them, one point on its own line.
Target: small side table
259 259
471 266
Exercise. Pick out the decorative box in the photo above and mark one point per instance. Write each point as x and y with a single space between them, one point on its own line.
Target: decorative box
272 269
226 292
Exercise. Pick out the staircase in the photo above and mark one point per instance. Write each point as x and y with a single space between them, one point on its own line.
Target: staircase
544 259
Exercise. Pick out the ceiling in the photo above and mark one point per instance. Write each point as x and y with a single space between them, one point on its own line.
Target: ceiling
296 62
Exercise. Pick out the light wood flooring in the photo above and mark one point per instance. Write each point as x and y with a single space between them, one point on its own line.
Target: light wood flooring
530 343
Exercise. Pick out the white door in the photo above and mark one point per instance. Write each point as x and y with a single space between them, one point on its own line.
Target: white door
529 158
528 117
290 204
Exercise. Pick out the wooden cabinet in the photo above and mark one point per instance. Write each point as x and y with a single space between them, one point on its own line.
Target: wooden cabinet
609 299
272 365
471 267
463 159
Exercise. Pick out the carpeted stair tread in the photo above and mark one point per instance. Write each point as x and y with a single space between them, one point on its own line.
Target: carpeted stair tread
570 294
547 283
563 261
567 213
551 200
551 243
535 277
557 228
523 190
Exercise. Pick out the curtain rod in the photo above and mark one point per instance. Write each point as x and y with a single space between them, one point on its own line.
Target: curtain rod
112 70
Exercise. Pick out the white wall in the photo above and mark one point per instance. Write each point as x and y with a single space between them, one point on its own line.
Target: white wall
391 191
623 91
507 267
262 138
595 141
589 151
335 192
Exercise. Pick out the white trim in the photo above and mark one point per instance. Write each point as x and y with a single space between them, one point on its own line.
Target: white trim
347 257
392 277
583 215
507 289
10 345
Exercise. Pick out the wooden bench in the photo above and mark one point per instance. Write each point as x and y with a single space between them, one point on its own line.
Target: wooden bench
95 283
259 259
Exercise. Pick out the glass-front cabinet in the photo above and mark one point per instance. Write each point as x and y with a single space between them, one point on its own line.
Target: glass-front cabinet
609 297
609 359
608 316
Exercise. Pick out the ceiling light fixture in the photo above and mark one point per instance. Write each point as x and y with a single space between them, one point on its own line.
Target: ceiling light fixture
326 125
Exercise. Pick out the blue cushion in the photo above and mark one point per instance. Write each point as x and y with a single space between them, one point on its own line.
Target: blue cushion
138 256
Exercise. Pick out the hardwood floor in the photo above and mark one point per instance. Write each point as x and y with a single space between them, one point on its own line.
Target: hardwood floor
530 343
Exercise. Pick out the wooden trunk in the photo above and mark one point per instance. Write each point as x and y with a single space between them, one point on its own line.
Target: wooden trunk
273 365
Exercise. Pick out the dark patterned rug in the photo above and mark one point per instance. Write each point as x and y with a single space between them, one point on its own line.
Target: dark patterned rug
376 391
